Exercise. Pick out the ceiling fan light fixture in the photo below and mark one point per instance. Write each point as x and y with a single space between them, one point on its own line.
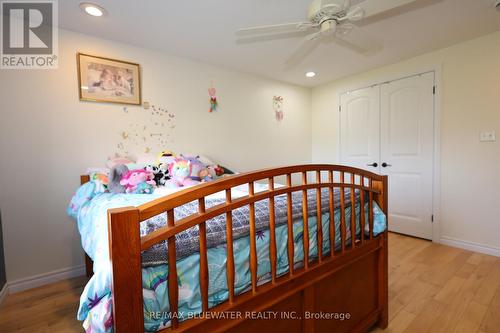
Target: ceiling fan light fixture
310 74
355 14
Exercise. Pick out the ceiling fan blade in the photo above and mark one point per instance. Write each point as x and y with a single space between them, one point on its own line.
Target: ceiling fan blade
304 50
270 37
314 36
357 40
374 7
276 28
355 14
345 28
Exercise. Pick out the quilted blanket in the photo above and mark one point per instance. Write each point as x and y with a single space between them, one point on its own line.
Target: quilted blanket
187 242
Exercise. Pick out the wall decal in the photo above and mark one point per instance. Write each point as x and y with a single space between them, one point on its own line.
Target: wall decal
149 130
278 107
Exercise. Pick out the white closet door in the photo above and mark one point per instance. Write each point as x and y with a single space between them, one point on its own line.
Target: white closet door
359 128
407 140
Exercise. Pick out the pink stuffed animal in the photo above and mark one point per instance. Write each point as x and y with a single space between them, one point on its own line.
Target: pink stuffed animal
138 181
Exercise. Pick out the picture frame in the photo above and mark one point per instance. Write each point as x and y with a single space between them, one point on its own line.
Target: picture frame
102 79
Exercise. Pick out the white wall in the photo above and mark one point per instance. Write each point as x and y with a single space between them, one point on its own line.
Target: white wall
48 137
470 103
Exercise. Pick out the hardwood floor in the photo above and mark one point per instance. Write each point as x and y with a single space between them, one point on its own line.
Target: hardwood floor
432 288
47 309
436 288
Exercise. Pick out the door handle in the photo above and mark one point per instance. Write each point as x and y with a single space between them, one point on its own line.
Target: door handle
385 165
374 164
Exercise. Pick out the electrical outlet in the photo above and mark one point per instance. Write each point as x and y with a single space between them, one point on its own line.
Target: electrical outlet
489 136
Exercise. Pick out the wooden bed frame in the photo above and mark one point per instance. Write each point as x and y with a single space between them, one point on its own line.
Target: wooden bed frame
352 280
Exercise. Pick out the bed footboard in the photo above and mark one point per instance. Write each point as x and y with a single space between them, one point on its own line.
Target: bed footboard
348 282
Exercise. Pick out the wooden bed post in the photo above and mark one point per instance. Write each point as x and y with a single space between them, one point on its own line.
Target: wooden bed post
382 200
125 256
89 264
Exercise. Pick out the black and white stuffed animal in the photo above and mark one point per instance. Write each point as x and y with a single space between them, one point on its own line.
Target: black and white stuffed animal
160 172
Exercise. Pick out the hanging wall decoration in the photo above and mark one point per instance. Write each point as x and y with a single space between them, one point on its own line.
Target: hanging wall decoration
108 80
278 107
213 99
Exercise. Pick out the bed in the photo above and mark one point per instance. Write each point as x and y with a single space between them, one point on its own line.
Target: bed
234 273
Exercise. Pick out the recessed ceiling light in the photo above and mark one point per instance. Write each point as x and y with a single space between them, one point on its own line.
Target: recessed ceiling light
92 9
310 74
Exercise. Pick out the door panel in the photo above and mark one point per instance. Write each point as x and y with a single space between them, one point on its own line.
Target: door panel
360 120
407 146
404 124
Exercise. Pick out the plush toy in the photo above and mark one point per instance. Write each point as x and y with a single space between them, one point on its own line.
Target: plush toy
160 173
101 182
205 175
198 169
115 175
138 181
212 172
166 157
179 171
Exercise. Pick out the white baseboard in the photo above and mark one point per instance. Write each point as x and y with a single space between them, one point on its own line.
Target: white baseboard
45 278
471 246
4 292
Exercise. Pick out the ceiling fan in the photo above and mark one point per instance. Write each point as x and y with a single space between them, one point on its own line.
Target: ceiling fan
329 20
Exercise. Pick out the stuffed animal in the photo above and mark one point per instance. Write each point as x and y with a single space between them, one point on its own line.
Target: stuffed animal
160 173
198 169
115 176
138 181
101 182
212 172
166 157
179 171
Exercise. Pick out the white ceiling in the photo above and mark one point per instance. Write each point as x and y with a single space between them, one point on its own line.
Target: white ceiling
204 30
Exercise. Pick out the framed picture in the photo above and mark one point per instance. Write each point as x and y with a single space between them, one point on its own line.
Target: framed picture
108 80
